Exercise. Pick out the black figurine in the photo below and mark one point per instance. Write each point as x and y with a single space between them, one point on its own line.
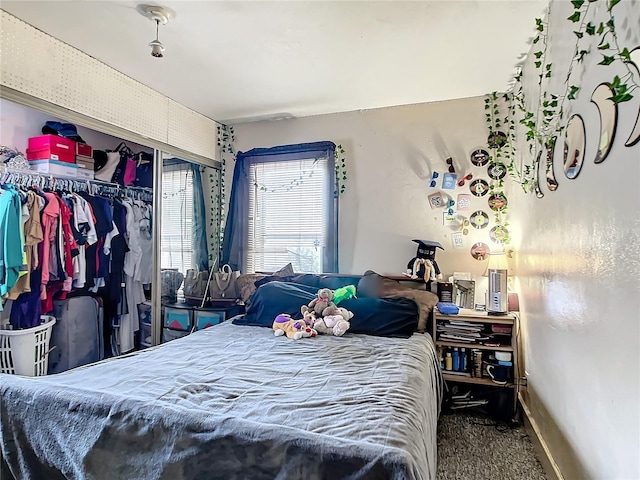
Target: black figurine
424 265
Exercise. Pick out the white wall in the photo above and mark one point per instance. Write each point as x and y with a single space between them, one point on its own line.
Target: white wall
390 154
578 264
18 123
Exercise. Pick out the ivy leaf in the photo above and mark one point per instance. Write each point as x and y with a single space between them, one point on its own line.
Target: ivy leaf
616 82
621 98
548 66
536 40
625 55
610 22
612 3
606 60
581 55
603 46
572 92
538 64
578 34
539 25
538 54
577 3
575 17
600 28
590 29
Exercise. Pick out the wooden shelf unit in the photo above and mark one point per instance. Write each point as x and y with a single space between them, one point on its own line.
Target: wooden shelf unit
483 318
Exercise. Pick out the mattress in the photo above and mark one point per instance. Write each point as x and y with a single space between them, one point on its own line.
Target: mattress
232 402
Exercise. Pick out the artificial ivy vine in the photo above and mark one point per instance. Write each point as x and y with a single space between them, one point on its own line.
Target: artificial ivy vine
341 171
226 140
215 215
608 47
502 155
544 125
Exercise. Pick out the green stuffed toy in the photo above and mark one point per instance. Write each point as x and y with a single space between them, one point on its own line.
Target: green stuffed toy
344 293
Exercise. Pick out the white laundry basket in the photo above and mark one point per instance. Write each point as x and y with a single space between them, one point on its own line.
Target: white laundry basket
26 352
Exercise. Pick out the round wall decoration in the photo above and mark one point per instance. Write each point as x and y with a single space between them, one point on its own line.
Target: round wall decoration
497 202
479 219
479 157
480 251
479 187
498 234
497 139
497 171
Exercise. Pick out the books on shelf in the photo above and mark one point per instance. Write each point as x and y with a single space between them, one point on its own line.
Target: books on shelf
455 372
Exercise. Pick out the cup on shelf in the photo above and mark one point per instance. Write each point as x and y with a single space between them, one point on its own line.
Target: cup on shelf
498 373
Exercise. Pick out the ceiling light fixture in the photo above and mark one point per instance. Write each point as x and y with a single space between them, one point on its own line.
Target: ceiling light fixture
160 15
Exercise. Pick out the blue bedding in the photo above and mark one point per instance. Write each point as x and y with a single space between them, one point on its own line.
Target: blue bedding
232 403
372 316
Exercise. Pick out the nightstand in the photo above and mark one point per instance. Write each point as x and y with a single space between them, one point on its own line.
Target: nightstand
488 344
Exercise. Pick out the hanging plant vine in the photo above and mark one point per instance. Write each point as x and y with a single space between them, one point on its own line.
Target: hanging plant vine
226 140
543 125
341 171
502 155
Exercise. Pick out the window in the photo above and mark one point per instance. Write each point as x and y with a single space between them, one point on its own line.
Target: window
177 218
283 209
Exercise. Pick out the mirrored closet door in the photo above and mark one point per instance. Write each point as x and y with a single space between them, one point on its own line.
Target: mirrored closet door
189 243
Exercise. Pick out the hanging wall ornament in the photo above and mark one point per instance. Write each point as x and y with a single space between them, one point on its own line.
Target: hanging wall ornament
497 139
479 187
498 234
497 171
479 219
552 183
480 251
497 202
480 157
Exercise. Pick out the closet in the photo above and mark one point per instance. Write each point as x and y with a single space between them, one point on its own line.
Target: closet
111 242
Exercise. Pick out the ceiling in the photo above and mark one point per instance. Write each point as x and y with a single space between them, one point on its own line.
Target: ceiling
239 61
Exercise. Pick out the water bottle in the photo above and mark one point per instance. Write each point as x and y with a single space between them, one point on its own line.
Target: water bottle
447 361
456 359
463 360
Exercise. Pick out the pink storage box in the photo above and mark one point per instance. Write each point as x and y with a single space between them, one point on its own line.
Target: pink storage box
51 147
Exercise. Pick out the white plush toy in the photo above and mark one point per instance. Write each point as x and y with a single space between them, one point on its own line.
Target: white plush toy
336 324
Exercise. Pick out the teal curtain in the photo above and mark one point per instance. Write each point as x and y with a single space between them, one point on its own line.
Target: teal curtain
199 240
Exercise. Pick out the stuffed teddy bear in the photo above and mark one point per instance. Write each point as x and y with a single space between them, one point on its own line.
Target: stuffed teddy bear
294 329
321 302
335 324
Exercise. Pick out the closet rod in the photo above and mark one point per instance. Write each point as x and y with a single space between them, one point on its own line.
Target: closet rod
16 174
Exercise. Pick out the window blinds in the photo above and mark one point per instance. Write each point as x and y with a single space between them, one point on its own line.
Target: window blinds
288 210
177 219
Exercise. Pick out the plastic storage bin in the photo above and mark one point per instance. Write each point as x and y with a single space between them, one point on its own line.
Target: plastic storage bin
144 313
26 352
177 318
206 318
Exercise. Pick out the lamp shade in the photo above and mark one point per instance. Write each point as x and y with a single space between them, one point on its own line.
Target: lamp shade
497 261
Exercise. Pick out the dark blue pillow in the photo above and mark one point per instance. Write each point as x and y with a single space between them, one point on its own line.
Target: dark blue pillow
397 317
274 298
372 316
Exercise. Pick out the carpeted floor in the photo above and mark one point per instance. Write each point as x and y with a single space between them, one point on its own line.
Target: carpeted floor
472 447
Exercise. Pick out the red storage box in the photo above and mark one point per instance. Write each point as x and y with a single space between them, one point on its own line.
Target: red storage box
51 147
84 150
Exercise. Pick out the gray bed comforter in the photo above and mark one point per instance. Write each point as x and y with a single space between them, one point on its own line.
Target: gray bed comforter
232 402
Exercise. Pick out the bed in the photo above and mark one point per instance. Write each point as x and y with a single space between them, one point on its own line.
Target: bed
232 402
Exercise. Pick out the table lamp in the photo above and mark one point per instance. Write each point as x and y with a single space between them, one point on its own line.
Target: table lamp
497 270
